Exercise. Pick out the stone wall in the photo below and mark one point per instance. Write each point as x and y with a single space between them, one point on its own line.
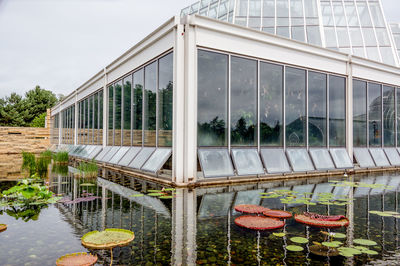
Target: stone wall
14 140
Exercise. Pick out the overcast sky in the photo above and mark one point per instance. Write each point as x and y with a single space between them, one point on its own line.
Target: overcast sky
59 44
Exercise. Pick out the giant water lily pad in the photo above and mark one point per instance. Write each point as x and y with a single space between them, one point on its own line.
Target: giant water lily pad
332 244
3 227
250 208
349 252
107 239
323 251
278 214
77 259
299 240
318 223
294 248
364 242
259 222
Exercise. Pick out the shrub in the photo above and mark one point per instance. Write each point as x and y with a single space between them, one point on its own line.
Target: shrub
29 162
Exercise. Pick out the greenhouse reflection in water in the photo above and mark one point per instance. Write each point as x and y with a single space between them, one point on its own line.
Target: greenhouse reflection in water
197 226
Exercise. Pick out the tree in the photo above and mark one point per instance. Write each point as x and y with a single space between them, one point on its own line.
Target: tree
39 121
38 101
11 109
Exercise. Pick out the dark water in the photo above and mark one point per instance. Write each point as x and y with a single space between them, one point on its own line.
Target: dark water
197 226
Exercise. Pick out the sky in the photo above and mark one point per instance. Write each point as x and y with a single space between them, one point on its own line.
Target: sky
60 44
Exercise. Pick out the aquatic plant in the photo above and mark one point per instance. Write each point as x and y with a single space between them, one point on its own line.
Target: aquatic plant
365 242
28 163
294 248
61 169
47 156
279 234
25 213
88 169
3 227
301 218
278 214
258 222
320 250
299 240
77 259
386 213
250 208
61 157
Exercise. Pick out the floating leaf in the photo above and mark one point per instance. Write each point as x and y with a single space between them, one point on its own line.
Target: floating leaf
279 234
370 252
169 189
258 222
294 248
107 239
154 190
166 197
299 240
87 185
364 242
332 244
156 194
136 195
3 227
338 235
250 208
77 259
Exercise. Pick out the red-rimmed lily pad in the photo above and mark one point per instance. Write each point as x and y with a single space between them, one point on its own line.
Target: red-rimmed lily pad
3 227
259 222
77 259
318 223
278 214
250 208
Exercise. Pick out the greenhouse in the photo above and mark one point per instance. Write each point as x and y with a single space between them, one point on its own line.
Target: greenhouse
246 89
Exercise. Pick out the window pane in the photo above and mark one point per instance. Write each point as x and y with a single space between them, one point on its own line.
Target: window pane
212 114
86 139
96 119
137 107
117 110
296 8
398 116
372 53
298 34
363 158
356 37
351 12
255 8
327 15
110 115
300 160
126 136
243 101
376 14
337 111
283 31
275 161
393 156
247 162
338 11
364 14
359 113
313 35
282 8
165 95
215 162
343 37
311 9
150 92
341 158
157 160
90 118
101 117
241 9
269 8
142 157
295 106
322 159
330 37
387 55
388 116
271 110
375 114
316 109
379 157
369 37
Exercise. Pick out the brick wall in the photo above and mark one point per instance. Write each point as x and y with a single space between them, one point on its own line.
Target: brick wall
14 140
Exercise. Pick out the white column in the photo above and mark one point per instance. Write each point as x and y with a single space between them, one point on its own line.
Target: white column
349 108
105 108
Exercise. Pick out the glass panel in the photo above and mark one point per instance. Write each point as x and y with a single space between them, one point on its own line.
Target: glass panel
362 191
356 38
296 8
330 37
129 156
338 11
321 188
337 111
142 157
86 137
137 107
379 157
282 8
327 15
212 99
118 110
255 8
340 192
247 197
96 119
165 96
274 203
393 156
255 23
383 37
343 37
381 180
247 162
364 14
110 154
376 14
275 161
271 109
351 13
215 205
375 114
241 8
316 109
120 153
243 102
388 116
150 104
369 37
215 162
311 8
321 158
157 160
300 193
269 8
359 113
373 53
341 158
269 22
295 106
398 116
103 153
283 31
95 152
299 160
363 158
126 136
90 118
101 117
298 34
110 131
313 35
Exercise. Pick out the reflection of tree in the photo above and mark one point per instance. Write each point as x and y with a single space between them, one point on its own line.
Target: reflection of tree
271 134
212 132
26 213
243 131
166 98
118 93
127 105
137 106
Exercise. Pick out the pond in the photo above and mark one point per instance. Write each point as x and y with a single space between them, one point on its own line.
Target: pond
197 226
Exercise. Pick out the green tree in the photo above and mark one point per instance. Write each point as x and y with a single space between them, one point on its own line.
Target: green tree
11 110
38 101
39 121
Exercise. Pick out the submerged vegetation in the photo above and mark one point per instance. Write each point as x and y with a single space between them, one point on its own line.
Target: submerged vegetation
88 169
38 165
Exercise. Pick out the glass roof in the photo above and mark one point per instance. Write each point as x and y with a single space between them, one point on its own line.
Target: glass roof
353 27
142 157
363 158
321 158
379 157
215 162
393 156
157 160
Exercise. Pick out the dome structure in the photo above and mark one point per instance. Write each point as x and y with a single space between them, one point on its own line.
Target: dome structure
353 27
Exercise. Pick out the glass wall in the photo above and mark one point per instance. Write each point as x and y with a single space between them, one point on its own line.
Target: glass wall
67 126
337 111
271 104
359 113
374 115
295 101
243 102
117 113
389 111
150 104
138 107
127 116
110 131
165 99
212 99
317 108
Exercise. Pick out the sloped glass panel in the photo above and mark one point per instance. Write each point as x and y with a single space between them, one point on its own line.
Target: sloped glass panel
298 33
74 150
393 156
356 37
80 151
247 197
95 152
321 188
142 157
275 161
129 156
381 180
373 54
343 37
387 55
362 191
269 8
215 162
215 205
321 158
106 150
157 160
341 158
109 155
247 162
351 14
85 152
299 160
313 35
363 158
120 153
379 157
364 14
330 37
376 14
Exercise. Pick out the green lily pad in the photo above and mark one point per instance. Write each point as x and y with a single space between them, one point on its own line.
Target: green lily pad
338 235
166 197
154 190
156 194
294 248
299 240
108 238
136 195
332 244
349 252
169 189
279 234
364 242
370 252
